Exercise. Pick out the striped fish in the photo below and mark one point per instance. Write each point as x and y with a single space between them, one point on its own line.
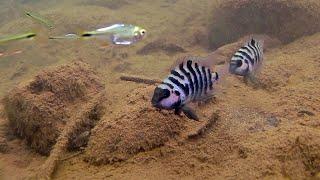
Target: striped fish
247 59
188 81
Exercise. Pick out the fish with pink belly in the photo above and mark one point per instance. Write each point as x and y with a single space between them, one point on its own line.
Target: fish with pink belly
189 81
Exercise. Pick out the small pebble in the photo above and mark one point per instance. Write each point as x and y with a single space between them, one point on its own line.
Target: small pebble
273 121
3 145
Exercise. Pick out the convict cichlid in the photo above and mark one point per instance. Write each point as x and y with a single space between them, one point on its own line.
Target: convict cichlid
247 60
188 81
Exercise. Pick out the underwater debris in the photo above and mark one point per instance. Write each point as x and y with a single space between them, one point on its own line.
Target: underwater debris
207 125
39 111
142 80
305 112
161 45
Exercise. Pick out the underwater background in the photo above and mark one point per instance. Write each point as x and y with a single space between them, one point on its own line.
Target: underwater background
271 132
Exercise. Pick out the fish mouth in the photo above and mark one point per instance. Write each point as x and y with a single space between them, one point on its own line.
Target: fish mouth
232 68
156 105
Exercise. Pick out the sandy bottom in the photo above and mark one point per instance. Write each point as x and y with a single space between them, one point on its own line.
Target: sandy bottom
269 132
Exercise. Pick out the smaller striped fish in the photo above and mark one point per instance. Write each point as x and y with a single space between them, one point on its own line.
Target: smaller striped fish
188 81
247 59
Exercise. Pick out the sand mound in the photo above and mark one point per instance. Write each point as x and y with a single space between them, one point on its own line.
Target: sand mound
138 128
39 111
285 19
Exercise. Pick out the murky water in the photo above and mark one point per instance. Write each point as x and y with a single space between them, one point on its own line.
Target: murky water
248 121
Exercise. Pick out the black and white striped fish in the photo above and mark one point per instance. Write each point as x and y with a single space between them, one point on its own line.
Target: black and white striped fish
247 59
188 81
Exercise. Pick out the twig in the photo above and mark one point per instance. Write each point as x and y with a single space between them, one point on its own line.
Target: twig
48 168
140 80
72 156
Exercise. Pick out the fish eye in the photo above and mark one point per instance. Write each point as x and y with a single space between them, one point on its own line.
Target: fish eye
143 32
239 63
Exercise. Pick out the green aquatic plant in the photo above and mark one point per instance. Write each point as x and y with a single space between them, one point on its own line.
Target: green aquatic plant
39 18
27 35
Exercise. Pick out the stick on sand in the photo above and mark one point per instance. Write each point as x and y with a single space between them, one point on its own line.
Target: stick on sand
142 80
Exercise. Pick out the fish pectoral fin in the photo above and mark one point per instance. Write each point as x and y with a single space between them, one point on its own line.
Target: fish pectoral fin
190 113
119 41
177 111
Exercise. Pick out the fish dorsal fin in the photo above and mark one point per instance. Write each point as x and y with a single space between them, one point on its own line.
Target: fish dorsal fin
255 41
196 59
